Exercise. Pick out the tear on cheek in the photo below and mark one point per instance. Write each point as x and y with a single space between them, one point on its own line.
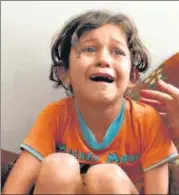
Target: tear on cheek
78 53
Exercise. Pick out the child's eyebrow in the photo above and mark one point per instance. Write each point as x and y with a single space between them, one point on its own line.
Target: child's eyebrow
91 39
119 42
94 39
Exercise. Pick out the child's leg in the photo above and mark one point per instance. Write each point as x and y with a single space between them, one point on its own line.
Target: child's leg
108 179
59 174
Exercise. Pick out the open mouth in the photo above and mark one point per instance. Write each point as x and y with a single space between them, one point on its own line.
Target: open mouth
102 78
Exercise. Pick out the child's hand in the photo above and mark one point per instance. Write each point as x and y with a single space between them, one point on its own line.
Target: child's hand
166 101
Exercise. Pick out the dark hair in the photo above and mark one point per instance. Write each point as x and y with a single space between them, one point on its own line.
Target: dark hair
83 23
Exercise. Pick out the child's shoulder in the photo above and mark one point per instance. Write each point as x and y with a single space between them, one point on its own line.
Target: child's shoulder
144 118
59 105
141 110
61 102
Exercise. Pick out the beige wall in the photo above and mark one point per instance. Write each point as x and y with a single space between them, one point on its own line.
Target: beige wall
27 28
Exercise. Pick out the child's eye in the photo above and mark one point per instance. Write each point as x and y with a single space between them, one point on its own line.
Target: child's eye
89 49
118 52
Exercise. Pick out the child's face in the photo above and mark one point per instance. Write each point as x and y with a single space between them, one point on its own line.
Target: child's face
101 72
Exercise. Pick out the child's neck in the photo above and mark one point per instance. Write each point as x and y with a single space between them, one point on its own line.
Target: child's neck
99 118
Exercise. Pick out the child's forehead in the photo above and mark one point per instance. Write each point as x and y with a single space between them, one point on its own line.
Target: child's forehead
114 32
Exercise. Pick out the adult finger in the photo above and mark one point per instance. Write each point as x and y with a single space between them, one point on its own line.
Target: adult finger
168 88
164 118
156 104
156 95
163 114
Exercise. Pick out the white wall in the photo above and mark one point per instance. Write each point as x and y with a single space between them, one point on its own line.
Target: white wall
27 29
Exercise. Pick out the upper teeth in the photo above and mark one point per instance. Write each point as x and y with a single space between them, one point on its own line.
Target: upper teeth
92 77
101 78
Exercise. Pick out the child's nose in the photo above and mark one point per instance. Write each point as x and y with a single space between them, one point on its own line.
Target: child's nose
104 60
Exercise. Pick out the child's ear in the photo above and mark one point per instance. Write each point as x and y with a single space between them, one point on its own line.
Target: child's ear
131 84
134 77
63 75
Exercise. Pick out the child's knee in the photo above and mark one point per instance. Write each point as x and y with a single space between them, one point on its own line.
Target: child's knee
107 177
63 159
104 172
61 167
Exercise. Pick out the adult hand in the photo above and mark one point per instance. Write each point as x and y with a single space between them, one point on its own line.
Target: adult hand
166 101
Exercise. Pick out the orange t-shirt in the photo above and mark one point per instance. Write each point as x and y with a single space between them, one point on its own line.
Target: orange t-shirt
140 144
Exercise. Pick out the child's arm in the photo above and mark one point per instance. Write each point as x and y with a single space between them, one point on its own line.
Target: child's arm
23 175
156 181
